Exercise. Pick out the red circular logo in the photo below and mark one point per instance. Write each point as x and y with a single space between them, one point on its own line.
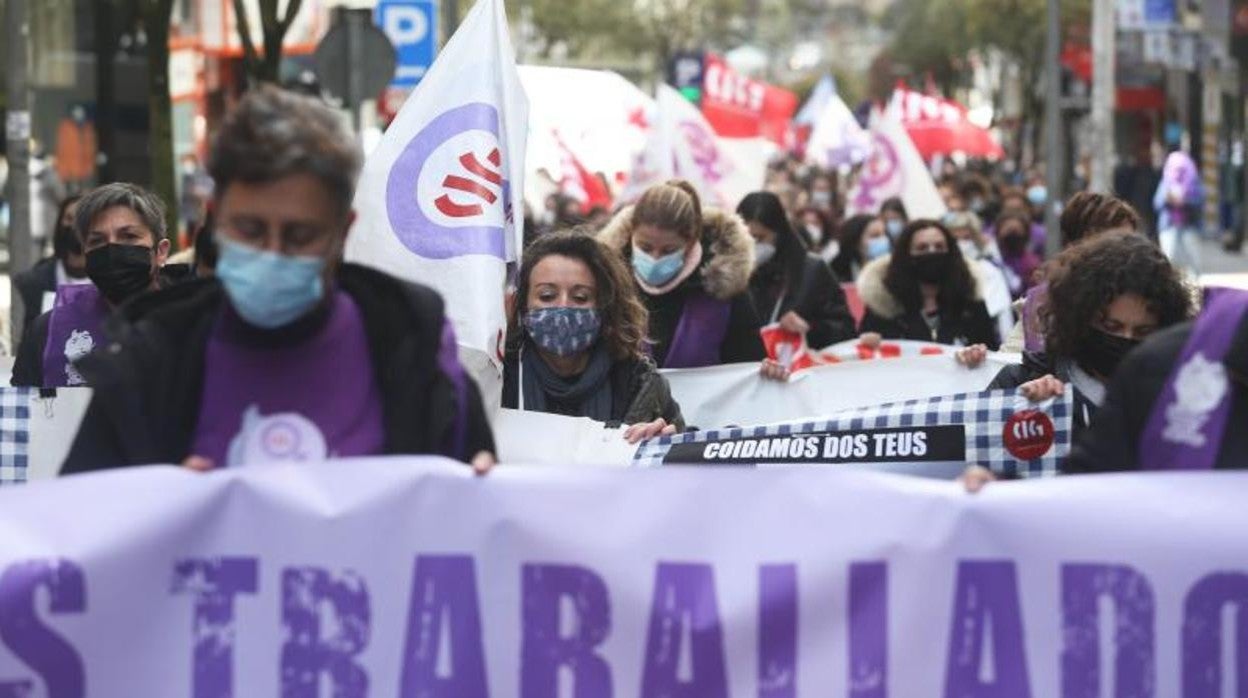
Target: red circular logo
1028 435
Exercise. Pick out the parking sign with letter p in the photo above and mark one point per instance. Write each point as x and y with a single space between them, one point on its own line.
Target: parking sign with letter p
412 27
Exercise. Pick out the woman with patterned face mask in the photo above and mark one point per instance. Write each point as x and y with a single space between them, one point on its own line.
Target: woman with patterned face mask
692 268
577 344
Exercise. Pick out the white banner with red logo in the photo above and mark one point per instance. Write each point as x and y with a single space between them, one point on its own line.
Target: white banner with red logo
440 199
737 394
894 168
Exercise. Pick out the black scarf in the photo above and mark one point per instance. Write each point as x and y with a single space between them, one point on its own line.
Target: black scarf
586 395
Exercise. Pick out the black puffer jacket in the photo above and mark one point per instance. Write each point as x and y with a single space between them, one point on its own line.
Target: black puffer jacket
816 295
886 315
149 379
1113 441
639 393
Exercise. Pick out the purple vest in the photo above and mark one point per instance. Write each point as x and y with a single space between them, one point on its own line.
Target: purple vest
74 329
699 333
1184 431
313 400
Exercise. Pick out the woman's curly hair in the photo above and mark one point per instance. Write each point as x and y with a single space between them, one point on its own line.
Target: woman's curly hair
1087 277
625 321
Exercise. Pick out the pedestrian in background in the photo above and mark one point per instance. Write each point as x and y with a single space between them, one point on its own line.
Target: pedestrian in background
1179 202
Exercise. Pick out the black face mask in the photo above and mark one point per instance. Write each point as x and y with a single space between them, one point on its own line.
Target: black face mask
1013 244
121 272
1102 352
931 268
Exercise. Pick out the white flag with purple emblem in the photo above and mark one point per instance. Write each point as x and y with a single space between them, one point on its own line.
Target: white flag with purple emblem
894 168
699 155
837 139
440 200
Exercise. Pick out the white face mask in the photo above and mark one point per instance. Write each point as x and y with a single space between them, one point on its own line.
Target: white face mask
763 252
815 232
969 250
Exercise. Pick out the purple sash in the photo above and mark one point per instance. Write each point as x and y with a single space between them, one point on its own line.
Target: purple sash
1184 431
74 329
1033 333
702 327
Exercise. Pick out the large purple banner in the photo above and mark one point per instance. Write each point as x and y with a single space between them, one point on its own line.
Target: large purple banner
409 577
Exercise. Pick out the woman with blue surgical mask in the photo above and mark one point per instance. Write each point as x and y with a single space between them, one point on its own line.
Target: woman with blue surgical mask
577 344
692 269
893 213
863 239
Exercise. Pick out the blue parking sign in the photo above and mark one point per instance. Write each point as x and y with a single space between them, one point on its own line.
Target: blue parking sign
412 27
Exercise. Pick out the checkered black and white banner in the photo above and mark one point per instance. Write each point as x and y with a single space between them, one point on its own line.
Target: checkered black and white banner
14 434
1000 430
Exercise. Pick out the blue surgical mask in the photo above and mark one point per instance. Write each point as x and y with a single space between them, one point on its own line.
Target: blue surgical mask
267 289
1037 195
657 271
877 247
563 331
893 227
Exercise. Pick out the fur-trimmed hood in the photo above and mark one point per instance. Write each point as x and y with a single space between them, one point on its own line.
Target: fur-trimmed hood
727 249
876 296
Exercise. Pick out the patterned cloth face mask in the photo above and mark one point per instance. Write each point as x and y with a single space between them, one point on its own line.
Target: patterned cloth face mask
563 331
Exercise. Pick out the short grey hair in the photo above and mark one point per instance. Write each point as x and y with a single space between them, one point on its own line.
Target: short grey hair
146 205
273 133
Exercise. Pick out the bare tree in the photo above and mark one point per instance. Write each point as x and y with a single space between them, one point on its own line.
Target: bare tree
273 27
156 15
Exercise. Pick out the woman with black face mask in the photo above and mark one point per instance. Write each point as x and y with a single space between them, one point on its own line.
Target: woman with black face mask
1105 296
924 291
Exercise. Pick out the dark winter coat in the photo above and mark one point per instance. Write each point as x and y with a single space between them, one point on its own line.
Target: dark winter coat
639 393
727 261
28 359
148 380
31 285
1038 365
886 315
1113 441
816 295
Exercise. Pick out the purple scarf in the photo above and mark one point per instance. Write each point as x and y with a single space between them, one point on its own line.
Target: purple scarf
1033 333
74 329
1184 431
702 327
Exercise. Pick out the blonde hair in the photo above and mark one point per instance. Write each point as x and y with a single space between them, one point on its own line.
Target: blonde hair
673 206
